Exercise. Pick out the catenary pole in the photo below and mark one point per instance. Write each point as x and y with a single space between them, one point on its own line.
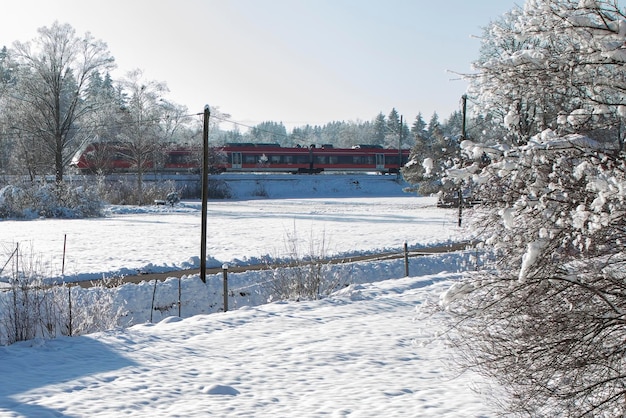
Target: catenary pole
205 191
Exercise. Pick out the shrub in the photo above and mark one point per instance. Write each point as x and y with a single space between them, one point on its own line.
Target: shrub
49 200
31 308
303 275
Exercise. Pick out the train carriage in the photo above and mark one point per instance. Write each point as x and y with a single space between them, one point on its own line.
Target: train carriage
247 158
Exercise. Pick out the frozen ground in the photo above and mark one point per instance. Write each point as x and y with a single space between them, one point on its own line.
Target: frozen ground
357 353
158 238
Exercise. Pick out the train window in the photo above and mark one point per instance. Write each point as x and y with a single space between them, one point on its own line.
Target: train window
321 159
179 158
275 159
333 160
302 159
344 159
288 159
250 159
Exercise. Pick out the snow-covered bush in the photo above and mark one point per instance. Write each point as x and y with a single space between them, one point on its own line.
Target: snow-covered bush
91 309
49 200
545 318
31 308
554 64
11 198
172 198
300 274
127 192
219 189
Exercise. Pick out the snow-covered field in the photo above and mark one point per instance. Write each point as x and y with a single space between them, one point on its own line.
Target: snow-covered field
357 353
242 231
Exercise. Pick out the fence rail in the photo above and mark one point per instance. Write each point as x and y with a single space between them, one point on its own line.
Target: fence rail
146 277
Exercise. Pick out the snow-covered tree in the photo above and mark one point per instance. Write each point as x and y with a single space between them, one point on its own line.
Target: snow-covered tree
269 132
380 129
49 97
393 122
418 129
545 315
431 154
566 58
144 112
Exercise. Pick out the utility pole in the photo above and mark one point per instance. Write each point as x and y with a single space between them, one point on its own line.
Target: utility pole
400 148
464 101
205 191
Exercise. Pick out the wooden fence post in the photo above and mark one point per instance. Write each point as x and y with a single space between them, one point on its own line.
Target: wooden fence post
406 260
225 274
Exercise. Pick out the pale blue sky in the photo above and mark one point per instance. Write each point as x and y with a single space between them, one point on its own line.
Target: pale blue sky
294 61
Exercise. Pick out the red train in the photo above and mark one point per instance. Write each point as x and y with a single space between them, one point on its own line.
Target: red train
244 157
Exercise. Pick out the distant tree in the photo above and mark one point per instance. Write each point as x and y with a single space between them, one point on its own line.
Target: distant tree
144 111
418 129
380 129
433 153
49 99
351 134
393 122
306 135
434 127
8 72
269 132
105 123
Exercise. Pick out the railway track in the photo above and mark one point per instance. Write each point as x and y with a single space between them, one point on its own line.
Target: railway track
147 277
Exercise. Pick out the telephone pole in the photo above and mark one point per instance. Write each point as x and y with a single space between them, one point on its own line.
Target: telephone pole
205 191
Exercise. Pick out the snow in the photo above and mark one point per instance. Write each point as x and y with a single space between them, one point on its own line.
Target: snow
240 232
359 352
533 251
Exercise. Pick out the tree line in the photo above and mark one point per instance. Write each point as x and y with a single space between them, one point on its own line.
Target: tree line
57 94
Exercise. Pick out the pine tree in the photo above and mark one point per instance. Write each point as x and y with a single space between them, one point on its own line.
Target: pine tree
380 129
393 122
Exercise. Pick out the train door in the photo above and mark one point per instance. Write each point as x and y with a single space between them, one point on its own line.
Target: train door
235 159
380 161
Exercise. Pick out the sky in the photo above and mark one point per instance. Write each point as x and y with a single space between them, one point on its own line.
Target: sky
292 61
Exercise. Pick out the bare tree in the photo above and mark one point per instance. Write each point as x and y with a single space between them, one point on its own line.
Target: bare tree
143 121
49 98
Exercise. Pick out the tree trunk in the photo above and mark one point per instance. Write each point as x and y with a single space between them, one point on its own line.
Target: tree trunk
58 159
